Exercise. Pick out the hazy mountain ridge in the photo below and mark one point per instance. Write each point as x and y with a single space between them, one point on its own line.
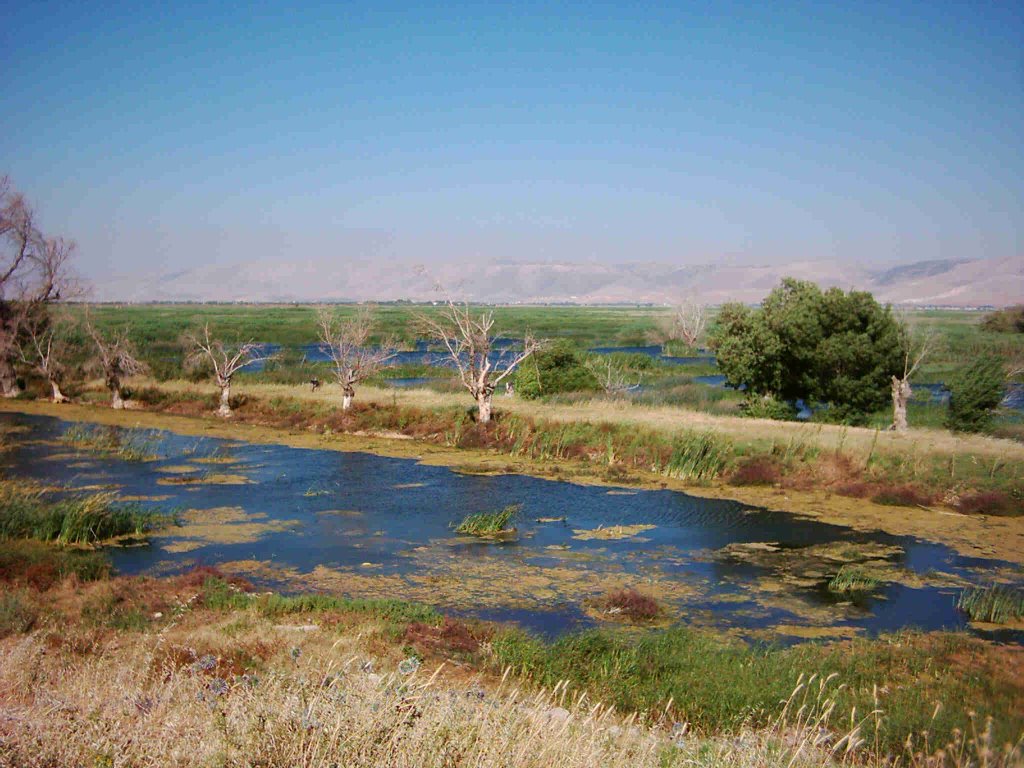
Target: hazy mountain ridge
973 282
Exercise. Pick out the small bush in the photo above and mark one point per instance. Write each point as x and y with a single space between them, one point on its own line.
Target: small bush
489 523
974 393
559 368
17 613
768 408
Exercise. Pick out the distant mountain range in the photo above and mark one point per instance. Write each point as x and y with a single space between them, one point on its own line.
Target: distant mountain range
961 283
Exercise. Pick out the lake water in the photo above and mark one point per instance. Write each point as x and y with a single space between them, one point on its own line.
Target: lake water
371 526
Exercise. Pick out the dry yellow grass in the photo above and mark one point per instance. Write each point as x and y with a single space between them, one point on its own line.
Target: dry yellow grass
171 698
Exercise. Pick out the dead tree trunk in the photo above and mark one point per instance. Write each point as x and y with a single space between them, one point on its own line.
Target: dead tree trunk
225 398
483 405
58 396
8 379
116 396
901 393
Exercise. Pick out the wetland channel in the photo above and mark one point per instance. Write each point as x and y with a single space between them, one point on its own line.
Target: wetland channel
369 526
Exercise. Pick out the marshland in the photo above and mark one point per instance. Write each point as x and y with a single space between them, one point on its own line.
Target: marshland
642 573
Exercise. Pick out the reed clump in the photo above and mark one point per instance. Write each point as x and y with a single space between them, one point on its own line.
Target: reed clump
489 523
995 604
852 579
124 444
30 511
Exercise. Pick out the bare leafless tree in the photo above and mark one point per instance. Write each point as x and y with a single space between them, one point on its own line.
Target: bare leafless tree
34 271
612 378
469 344
47 347
686 323
915 344
347 341
115 359
225 359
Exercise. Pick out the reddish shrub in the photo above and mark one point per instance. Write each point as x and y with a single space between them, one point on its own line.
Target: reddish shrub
756 470
991 503
630 604
858 490
449 637
901 496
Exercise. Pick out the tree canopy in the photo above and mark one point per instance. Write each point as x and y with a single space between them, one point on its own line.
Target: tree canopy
831 347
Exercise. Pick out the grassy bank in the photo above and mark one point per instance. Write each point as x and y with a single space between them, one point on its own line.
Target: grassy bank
925 467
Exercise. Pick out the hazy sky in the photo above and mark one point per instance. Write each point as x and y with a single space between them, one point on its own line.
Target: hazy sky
614 132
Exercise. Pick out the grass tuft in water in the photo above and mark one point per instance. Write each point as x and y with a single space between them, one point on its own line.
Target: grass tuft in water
850 579
28 511
489 523
995 604
125 444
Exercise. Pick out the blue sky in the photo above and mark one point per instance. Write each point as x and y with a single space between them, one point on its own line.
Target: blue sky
616 132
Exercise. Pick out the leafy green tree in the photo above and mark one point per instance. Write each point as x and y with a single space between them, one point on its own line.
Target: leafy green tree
975 391
557 368
828 347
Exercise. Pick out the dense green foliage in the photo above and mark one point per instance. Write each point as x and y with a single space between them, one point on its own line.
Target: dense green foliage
1009 320
557 368
974 393
828 347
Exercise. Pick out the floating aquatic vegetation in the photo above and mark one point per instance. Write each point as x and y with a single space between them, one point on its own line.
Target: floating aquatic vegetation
206 478
611 532
220 525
